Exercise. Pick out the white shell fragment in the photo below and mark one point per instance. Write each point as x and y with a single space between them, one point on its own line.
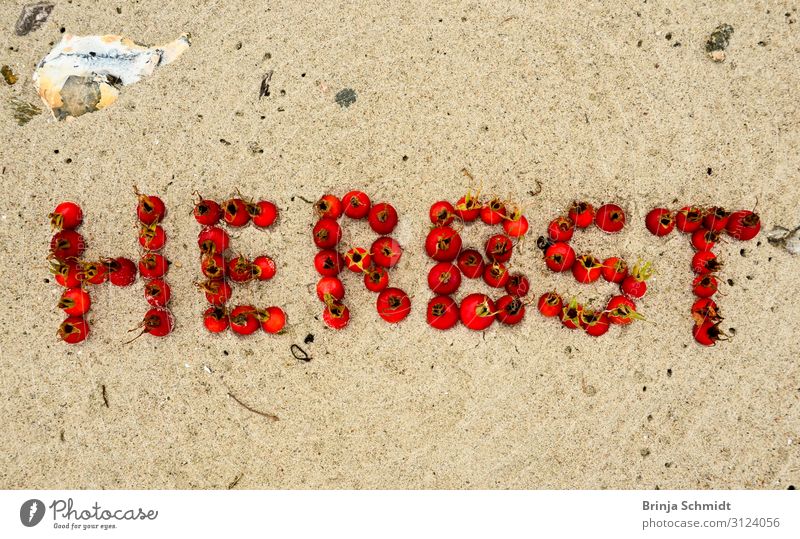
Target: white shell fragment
84 74
783 237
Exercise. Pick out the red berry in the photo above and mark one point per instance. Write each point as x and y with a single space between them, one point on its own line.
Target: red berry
518 285
327 233
152 237
515 224
550 304
386 252
659 221
215 319
442 213
150 209
336 315
510 310
68 273
213 266
234 212
622 310
477 312
494 212
634 285
559 257
443 312
496 275
610 218
688 219
328 263
121 271
217 292
93 273
328 206
743 225
382 218
239 269
157 293
571 314
716 219
330 289
708 333
75 302
587 269
272 319
705 262
263 268
207 212
499 248
705 286
243 320
443 244
153 266
582 214
705 309
358 259
263 213
356 204
67 244
376 279
444 278
213 240
157 322
470 262
595 323
614 269
704 240
561 229
66 216
393 305
468 208
73 330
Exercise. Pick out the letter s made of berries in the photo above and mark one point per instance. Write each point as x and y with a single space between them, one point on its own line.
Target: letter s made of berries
444 245
704 226
219 271
393 304
77 275
560 257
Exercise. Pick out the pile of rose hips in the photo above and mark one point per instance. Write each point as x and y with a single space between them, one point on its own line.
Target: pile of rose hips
443 244
393 304
560 257
218 270
74 274
153 266
705 226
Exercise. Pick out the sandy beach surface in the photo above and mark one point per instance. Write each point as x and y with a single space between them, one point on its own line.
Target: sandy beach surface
607 102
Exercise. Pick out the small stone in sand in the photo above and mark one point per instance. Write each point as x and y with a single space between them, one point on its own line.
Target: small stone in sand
718 41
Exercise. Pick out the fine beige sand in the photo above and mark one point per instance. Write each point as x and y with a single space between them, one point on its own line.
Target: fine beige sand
612 102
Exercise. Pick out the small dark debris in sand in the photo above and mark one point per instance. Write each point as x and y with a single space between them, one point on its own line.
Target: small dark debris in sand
298 353
718 41
309 338
644 452
23 112
8 75
105 395
589 390
346 97
271 417
264 91
235 481
32 17
62 437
